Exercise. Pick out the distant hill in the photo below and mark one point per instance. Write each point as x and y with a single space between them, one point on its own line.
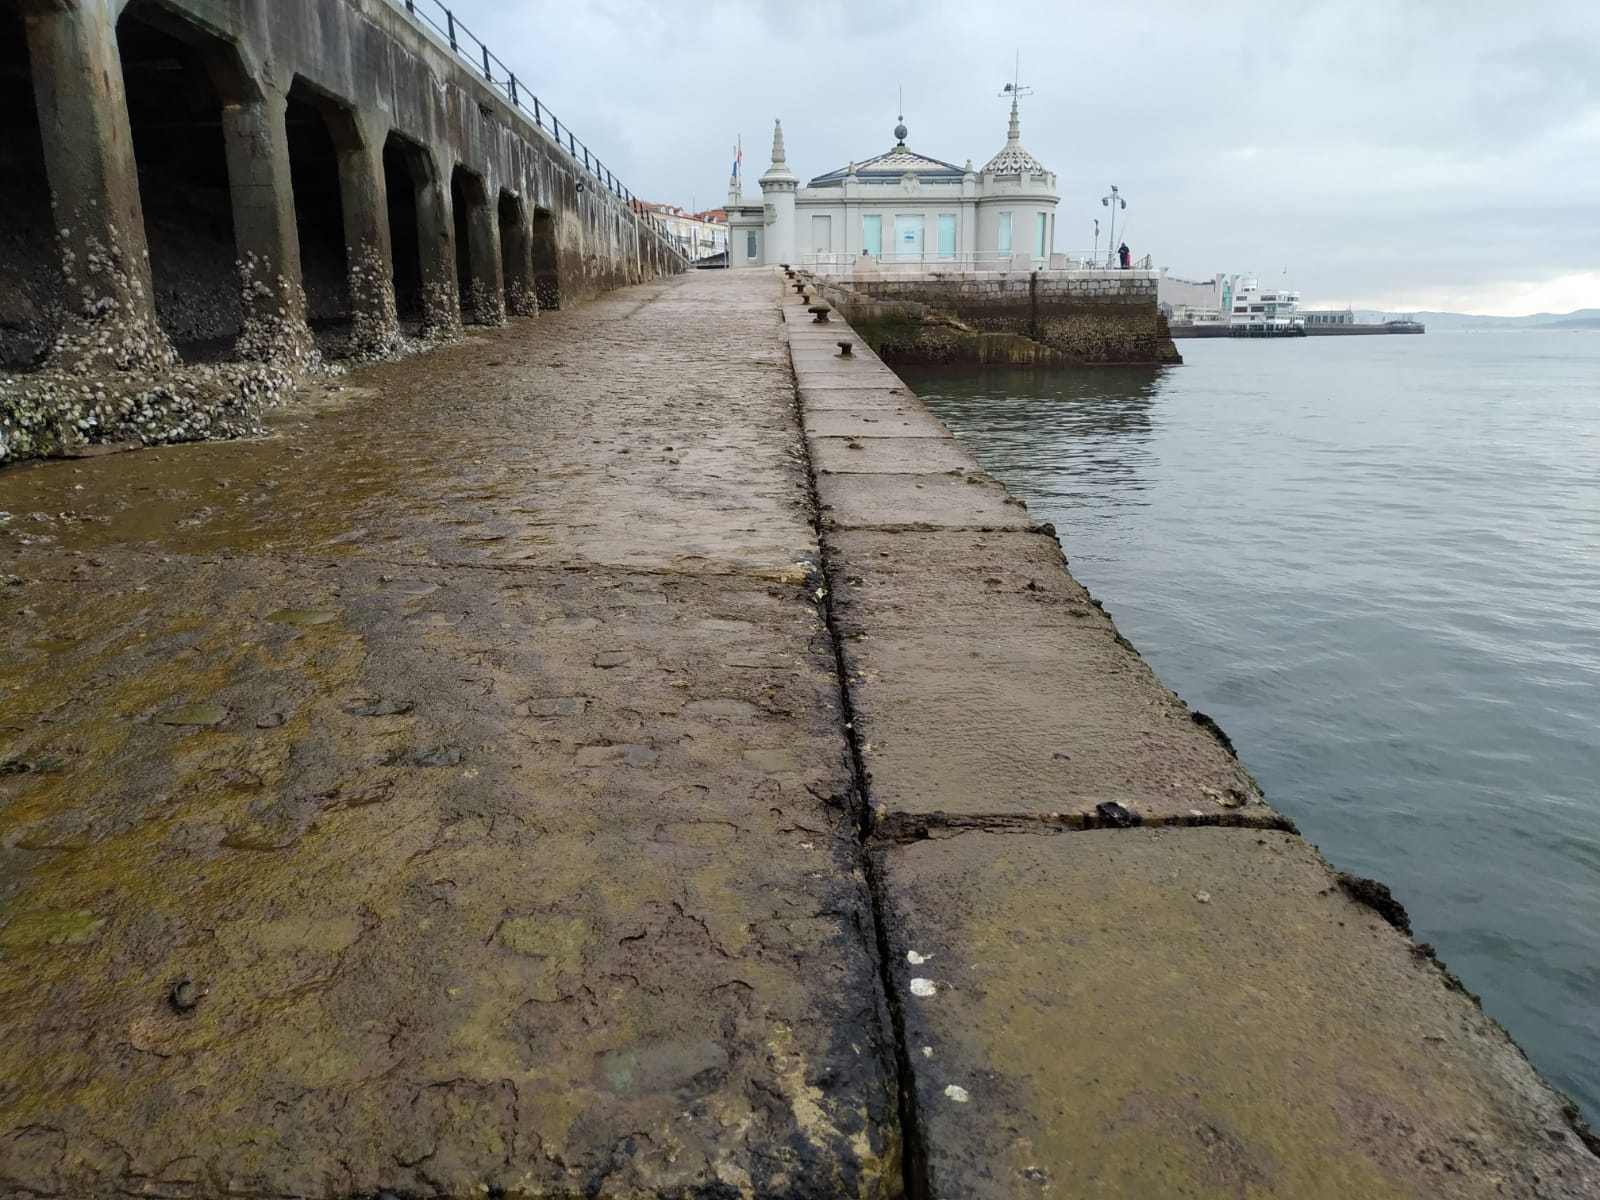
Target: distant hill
1583 318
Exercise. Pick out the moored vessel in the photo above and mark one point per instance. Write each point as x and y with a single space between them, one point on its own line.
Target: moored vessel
1264 312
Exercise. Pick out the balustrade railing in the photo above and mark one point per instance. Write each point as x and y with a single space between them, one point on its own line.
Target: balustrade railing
447 28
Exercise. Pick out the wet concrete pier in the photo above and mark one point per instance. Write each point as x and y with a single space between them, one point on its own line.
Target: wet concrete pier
640 754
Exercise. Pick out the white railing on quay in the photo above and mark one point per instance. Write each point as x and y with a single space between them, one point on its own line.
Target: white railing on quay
870 266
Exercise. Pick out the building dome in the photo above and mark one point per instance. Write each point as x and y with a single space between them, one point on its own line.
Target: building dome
1013 159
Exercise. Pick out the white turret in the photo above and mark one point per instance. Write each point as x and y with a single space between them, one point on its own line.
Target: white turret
1017 209
778 185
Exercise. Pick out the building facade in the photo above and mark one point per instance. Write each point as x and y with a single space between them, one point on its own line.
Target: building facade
1186 301
900 208
698 236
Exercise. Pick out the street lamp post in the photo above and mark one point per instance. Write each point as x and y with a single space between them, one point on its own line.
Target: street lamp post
1096 257
1113 202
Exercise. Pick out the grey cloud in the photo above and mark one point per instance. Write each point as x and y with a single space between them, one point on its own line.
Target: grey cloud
1372 146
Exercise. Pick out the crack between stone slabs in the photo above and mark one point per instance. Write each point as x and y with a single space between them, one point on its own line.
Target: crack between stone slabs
902 829
913 1153
831 526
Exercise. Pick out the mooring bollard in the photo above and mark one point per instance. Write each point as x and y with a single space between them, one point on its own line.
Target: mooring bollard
819 314
844 349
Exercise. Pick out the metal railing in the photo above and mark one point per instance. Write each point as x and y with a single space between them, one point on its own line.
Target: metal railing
1086 260
434 17
901 262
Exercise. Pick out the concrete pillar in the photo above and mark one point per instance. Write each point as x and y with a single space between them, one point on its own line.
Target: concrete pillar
94 187
516 257
486 298
436 242
368 248
265 237
546 260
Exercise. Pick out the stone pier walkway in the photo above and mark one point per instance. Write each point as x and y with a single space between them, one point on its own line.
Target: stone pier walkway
457 794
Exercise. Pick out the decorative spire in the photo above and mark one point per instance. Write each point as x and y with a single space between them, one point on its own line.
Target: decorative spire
900 129
1013 159
778 177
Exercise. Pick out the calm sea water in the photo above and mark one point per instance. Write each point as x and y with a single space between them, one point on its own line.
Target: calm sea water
1376 561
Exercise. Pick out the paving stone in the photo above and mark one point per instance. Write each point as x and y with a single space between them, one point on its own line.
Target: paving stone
820 381
1196 1012
854 399
986 684
915 456
868 422
954 499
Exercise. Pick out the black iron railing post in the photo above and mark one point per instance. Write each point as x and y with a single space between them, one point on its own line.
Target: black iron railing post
513 89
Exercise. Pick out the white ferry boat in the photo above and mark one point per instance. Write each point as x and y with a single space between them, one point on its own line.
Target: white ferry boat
1269 312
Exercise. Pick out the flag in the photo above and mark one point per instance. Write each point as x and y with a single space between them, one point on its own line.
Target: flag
738 158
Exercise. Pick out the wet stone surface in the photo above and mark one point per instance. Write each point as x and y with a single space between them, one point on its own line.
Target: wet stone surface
893 496
1196 1012
445 795
912 456
988 685
1098 991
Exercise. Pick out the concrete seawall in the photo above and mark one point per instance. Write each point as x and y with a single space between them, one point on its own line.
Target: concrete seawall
192 185
692 778
1041 318
1115 970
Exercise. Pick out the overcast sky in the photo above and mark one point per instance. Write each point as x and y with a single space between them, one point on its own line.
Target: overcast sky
1391 154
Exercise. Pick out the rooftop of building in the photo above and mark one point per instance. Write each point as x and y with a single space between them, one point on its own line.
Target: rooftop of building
672 210
900 160
893 164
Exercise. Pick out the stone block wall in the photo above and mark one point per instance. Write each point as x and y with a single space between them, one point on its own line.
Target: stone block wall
1082 317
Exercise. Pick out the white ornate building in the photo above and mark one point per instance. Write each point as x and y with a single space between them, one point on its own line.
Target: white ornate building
901 209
